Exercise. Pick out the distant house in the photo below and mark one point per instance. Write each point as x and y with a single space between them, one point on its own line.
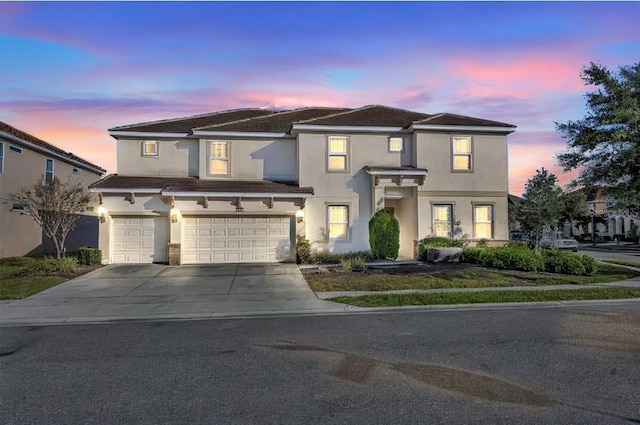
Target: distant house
240 185
23 160
610 221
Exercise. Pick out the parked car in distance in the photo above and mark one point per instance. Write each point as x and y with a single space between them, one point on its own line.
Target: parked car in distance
570 244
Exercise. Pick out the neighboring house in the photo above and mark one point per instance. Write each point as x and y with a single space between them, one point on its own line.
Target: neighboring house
23 160
610 222
239 185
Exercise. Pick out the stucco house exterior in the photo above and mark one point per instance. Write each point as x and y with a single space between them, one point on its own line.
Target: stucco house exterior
239 185
23 160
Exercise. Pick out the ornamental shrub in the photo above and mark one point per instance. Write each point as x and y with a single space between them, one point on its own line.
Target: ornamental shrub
562 262
510 258
590 264
384 235
51 265
89 256
303 250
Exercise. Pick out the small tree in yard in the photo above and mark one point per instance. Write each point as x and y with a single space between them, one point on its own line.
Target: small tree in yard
384 235
54 206
541 207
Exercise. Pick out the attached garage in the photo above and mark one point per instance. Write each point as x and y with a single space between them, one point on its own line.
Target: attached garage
139 239
237 239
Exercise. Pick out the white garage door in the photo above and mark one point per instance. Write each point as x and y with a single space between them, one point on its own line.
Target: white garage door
236 239
132 240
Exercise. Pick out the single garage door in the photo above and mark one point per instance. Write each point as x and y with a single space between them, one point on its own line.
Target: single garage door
132 239
236 239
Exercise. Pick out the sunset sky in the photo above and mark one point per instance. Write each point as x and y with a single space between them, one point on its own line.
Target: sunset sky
70 71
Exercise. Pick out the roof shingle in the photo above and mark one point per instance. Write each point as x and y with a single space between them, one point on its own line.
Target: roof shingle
453 119
192 184
372 115
186 124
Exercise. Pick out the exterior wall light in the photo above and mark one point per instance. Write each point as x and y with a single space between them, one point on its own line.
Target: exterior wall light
299 216
102 212
174 215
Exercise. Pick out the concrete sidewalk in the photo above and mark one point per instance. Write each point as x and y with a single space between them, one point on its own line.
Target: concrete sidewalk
154 292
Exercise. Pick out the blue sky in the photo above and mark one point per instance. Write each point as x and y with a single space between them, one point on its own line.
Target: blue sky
71 70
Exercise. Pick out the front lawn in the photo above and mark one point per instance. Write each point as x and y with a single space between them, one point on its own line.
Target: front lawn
394 300
452 275
21 277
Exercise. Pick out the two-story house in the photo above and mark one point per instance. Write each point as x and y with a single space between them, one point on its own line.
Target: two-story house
239 185
23 160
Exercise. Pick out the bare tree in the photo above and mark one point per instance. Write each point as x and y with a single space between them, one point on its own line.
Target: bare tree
54 206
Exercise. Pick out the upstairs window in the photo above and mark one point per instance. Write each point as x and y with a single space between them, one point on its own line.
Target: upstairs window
1 157
338 148
483 221
338 221
395 144
219 158
48 171
149 148
462 156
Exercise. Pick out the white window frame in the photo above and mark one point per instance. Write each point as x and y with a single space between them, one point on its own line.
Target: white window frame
1 157
450 218
210 145
15 149
48 161
345 223
455 154
396 139
344 154
153 143
491 220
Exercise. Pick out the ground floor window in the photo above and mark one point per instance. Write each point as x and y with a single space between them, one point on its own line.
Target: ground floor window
338 221
443 220
483 221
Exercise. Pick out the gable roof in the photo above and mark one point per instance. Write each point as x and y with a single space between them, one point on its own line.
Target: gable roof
279 122
20 136
186 124
453 119
370 115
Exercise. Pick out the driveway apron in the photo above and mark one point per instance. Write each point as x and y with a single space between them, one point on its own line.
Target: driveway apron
153 291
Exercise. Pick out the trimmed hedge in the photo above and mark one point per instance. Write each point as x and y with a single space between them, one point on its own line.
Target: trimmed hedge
89 256
436 242
384 235
524 259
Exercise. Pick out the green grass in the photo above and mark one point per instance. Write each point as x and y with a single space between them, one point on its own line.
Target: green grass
458 276
20 277
622 262
394 300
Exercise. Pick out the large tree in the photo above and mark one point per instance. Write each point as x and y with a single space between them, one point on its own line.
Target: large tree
605 145
54 206
541 207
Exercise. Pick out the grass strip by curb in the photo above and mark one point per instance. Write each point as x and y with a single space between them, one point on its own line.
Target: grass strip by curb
21 287
394 300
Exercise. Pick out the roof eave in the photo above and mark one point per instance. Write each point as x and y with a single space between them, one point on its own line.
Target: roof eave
220 133
297 128
474 128
181 194
163 135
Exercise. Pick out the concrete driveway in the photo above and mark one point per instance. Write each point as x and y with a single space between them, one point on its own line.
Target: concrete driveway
152 291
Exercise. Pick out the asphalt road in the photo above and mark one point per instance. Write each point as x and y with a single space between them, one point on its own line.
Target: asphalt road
570 365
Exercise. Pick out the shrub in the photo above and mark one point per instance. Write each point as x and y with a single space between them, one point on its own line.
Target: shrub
18 261
384 235
353 264
89 256
590 264
303 250
562 262
436 242
52 265
513 258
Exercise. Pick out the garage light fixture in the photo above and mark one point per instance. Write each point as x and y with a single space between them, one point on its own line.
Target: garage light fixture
102 211
299 216
174 215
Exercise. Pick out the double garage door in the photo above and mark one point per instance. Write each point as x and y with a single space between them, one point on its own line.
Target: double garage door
236 239
204 239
